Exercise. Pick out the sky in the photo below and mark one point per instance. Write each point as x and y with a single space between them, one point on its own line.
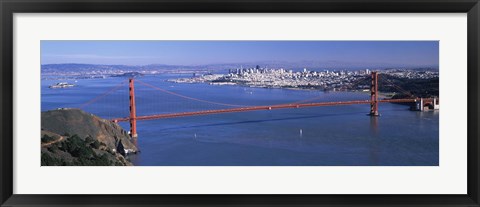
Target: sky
191 53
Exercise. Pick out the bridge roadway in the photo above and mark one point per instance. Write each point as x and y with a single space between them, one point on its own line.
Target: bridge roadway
258 108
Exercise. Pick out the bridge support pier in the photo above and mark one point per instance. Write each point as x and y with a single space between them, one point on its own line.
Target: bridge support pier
374 95
133 113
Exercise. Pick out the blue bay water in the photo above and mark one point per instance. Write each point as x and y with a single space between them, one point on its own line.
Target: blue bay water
319 136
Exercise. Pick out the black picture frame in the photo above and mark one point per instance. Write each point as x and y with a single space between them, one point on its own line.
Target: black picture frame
10 7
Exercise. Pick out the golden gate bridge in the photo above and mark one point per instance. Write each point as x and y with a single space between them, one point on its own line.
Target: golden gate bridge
373 102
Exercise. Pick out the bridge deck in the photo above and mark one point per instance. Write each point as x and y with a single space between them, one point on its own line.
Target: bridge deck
258 108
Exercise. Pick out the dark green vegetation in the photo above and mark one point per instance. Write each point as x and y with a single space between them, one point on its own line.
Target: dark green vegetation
76 151
46 138
74 137
407 88
129 75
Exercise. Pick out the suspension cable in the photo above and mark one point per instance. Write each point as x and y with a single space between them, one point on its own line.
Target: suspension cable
102 95
400 89
318 97
187 97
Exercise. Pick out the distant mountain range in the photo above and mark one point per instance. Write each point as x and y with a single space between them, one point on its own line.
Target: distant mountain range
328 65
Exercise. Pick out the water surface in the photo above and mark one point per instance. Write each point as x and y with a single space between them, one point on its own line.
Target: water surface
320 136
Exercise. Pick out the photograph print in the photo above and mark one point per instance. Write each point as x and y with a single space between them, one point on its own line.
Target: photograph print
239 103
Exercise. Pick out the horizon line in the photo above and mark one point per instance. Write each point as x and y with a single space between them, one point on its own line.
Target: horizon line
150 64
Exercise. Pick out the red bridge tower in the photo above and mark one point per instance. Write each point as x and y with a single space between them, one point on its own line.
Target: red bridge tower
374 95
133 113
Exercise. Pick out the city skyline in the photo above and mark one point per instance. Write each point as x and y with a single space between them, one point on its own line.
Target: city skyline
332 54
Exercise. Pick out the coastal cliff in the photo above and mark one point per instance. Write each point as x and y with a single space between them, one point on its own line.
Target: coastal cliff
75 137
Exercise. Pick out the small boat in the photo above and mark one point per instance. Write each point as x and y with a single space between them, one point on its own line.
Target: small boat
62 85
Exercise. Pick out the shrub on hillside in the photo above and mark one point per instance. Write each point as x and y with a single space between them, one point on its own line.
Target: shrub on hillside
81 151
47 138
